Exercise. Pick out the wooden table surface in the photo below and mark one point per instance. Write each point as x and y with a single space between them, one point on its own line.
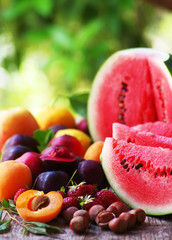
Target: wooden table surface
154 228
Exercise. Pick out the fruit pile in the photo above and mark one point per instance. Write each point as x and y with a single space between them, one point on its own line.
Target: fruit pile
37 176
50 166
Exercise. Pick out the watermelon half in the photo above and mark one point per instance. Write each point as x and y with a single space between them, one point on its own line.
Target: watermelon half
140 175
132 87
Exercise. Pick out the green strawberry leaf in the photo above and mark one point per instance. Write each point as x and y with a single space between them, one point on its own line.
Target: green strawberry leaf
43 137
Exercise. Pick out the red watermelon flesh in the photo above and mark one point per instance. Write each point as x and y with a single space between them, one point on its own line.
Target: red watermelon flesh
158 127
128 134
130 88
140 175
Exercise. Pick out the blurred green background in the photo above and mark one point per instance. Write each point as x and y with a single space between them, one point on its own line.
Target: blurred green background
55 47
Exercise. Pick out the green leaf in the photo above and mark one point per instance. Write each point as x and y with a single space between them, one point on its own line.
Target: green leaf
37 230
4 225
45 225
43 137
78 102
9 205
1 211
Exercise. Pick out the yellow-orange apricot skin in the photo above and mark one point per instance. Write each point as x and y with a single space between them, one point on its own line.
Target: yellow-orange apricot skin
45 214
13 175
94 150
16 121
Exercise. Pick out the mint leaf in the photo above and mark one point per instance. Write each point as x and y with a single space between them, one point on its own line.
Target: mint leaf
43 137
4 225
78 102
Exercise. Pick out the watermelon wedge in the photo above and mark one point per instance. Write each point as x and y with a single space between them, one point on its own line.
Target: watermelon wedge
129 134
158 127
140 175
132 87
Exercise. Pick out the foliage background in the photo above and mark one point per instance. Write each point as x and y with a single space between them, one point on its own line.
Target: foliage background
50 48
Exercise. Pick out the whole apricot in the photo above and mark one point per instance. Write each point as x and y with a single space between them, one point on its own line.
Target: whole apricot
13 175
94 150
16 121
50 116
33 205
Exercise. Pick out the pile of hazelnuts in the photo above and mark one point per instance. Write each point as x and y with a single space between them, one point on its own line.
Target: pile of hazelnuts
115 217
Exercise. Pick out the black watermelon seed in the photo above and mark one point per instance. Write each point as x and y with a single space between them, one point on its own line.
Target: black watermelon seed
125 166
138 166
124 84
123 161
128 169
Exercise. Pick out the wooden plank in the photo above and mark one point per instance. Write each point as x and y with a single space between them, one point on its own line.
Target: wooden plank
154 228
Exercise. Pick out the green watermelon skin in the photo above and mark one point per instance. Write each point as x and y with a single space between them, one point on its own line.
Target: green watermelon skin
128 134
140 175
132 87
158 127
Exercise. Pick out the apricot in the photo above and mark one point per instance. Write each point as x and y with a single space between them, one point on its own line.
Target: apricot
34 205
94 150
16 121
50 116
13 175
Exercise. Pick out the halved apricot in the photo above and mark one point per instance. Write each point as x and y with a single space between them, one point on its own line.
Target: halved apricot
34 205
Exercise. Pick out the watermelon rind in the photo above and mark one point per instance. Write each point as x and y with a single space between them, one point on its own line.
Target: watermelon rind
107 161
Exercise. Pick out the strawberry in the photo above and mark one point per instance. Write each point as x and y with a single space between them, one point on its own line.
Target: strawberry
87 202
70 202
81 189
20 191
62 191
107 197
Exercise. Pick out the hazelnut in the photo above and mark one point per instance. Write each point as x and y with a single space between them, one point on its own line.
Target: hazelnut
130 218
94 210
113 209
118 225
139 213
79 224
68 213
82 213
103 218
120 206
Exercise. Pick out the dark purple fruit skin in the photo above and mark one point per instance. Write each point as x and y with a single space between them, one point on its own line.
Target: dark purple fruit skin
56 128
19 139
83 126
91 172
51 181
59 158
14 152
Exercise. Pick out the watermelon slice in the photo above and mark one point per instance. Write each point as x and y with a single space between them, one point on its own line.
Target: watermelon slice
132 87
159 128
140 175
129 134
